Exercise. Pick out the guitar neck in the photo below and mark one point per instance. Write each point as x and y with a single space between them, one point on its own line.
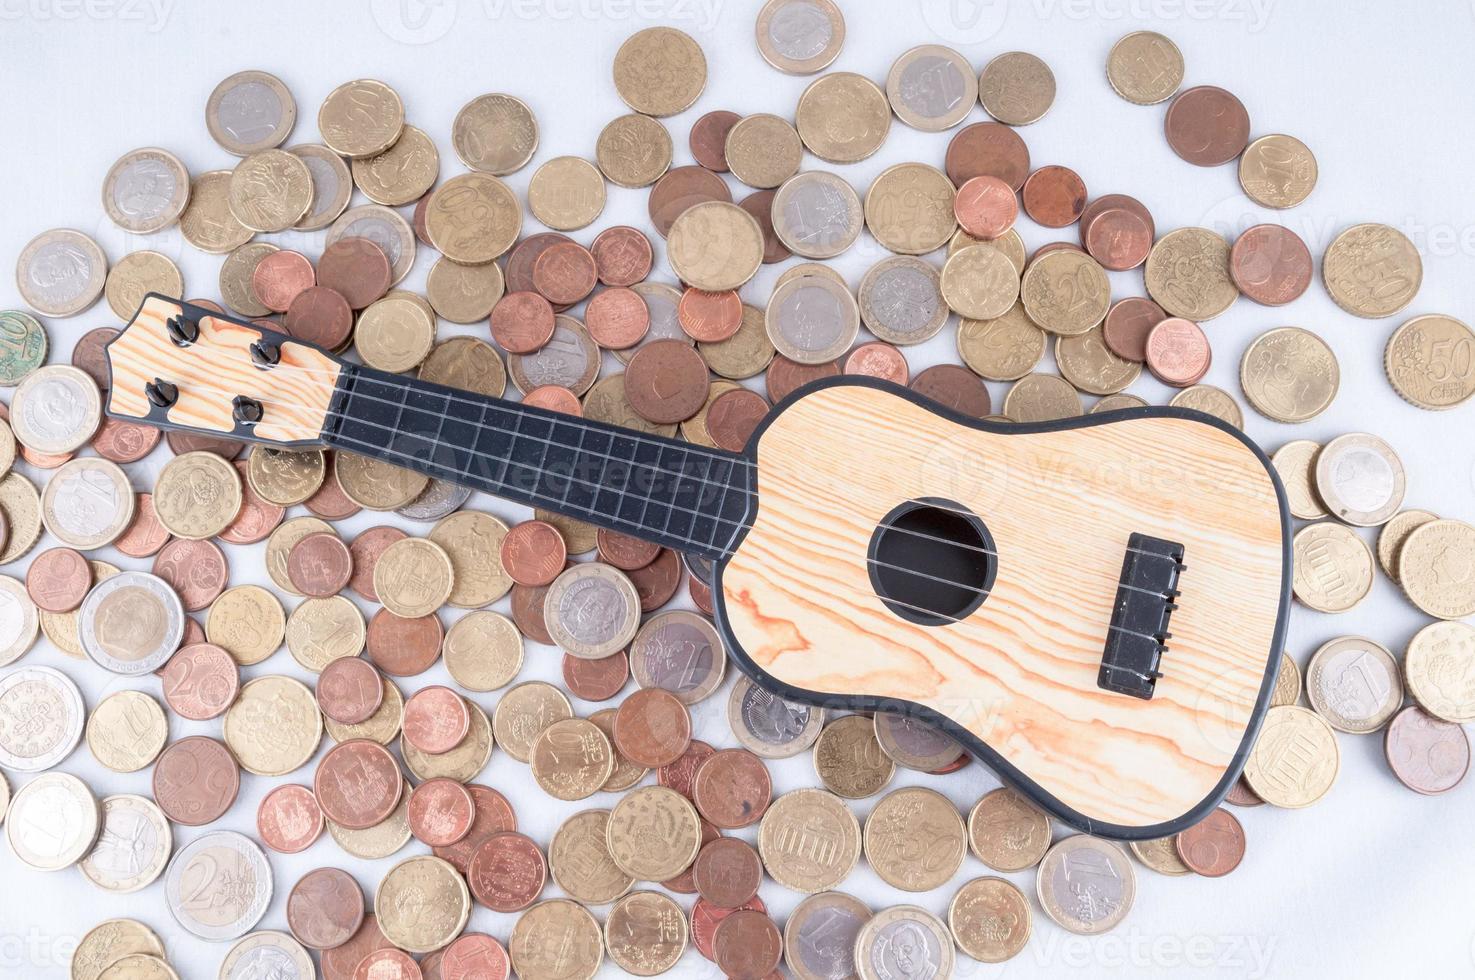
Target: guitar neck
677 494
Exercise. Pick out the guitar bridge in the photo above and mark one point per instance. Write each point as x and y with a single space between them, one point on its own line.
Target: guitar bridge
1138 635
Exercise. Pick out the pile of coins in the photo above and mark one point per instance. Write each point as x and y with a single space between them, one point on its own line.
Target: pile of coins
405 755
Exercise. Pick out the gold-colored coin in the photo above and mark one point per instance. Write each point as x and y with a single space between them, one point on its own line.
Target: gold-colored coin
127 731
283 476
322 630
394 334
463 763
1435 569
1187 274
1372 270
653 833
422 904
1287 688
626 773
695 429
413 577
914 839
990 919
578 859
843 117
809 840
1005 348
1016 88
7 448
909 208
1333 567
715 246
401 174
197 495
473 541
763 150
496 134
110 941
207 223
1161 855
467 363
646 933
473 218
139 966
361 118
745 354
1277 171
1439 668
980 284
374 484
382 726
136 275
523 713
1086 362
1009 243
1042 398
246 622
566 193
660 71
274 727
1393 534
1289 374
464 293
21 505
1145 68
1066 292
1114 403
556 940
1295 760
1430 361
849 759
633 150
483 651
270 190
1211 401
379 841
1295 462
931 88
235 278
572 759
64 630
280 543
1007 832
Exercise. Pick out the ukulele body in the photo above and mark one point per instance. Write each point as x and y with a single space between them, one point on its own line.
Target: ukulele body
903 557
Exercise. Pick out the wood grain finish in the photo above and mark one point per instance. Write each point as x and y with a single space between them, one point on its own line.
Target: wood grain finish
1020 672
215 369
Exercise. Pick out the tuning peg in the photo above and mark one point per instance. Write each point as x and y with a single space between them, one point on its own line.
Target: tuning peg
265 355
247 411
182 330
162 393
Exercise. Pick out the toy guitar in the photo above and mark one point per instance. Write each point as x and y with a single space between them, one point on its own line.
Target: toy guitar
1094 607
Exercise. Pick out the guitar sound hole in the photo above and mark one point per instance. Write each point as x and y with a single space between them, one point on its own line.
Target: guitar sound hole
932 561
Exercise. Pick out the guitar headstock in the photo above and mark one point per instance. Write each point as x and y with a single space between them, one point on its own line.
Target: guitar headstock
181 366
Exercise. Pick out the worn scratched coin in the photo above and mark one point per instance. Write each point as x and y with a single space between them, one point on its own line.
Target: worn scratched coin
207 222
126 731
1295 760
1372 270
903 940
132 623
592 610
1289 374
1277 171
769 726
61 272
914 839
132 848
53 822
1430 361
1354 683
1427 754
145 190
250 111
22 348
41 718
1005 348
1145 68
1434 569
218 886
800 37
1333 567
1211 401
1360 479
791 831
1086 885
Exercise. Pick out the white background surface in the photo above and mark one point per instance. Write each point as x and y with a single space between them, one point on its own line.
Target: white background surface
1372 880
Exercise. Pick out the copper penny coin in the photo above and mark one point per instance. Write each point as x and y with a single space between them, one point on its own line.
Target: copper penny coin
257 518
747 945
125 442
876 359
527 612
1240 794
533 553
1427 755
350 690
617 318
652 728
193 633
522 322
146 534
365 552
181 442
987 149
524 255
1178 352
624 551
403 647
493 816
289 819
565 273
358 784
441 812
325 908
473 956
357 269
785 376
555 398
708 139
709 317
1207 126
734 416
1270 264
88 354
1054 196
759 204
45 461
701 595
1118 239
507 872
681 773
319 565
622 255
706 917
679 189
954 386
732 789
666 382
388 964
320 315
340 962
201 681
196 780
280 277
436 719
194 569
685 883
727 872
985 207
417 220
596 680
1108 202
58 580
1214 846
1127 325
208 304
657 582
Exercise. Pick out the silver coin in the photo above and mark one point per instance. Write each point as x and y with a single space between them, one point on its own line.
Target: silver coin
61 272
769 726
88 503
332 185
439 499
931 88
53 822
661 300
218 886
901 300
570 359
250 111
146 190
19 621
800 37
680 652
133 847
56 409
1086 885
1360 479
592 610
385 228
1354 684
812 319
819 937
267 956
131 623
41 718
904 941
817 214
914 744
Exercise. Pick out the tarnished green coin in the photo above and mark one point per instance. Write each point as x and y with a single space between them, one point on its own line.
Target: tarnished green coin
22 346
